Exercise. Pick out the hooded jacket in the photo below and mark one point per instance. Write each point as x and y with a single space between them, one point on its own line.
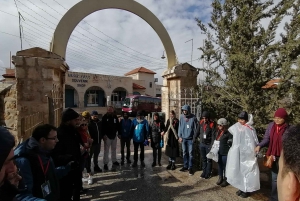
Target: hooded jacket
187 124
140 130
32 173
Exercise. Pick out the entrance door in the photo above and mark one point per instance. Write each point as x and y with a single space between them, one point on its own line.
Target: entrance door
69 94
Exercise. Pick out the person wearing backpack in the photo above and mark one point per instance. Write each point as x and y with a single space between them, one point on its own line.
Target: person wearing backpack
125 137
204 132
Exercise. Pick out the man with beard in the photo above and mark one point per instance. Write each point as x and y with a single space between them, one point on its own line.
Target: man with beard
8 171
66 150
110 127
96 135
186 132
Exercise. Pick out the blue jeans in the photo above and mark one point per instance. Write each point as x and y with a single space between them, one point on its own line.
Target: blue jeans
222 165
274 172
187 148
206 163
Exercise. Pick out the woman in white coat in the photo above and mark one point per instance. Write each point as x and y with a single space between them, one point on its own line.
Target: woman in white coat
242 170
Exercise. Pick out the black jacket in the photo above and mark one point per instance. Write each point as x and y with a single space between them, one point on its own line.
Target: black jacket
205 128
155 129
110 126
95 131
68 147
225 141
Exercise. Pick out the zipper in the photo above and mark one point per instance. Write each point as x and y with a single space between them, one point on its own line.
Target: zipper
97 132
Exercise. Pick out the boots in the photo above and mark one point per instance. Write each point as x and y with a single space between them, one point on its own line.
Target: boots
224 183
169 166
173 167
220 180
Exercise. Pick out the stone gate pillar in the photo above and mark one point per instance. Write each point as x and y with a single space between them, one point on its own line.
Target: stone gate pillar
40 75
175 80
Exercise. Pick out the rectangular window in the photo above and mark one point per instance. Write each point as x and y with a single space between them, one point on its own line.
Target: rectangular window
150 84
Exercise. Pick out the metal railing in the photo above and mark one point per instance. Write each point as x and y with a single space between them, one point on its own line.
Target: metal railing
29 123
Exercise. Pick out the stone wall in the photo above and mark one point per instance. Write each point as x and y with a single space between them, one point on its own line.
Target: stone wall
38 73
176 79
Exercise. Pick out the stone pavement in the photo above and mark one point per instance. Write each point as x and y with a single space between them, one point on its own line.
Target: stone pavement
125 183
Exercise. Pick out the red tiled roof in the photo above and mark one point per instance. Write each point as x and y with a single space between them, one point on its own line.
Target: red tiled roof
136 86
140 70
9 75
271 84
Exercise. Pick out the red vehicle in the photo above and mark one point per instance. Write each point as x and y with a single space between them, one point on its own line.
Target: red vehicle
134 103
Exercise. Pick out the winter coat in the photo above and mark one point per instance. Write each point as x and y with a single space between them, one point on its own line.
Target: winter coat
155 130
139 130
95 128
225 141
172 145
110 126
205 131
32 173
68 147
125 127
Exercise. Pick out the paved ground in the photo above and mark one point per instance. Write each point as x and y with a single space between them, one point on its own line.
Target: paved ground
155 184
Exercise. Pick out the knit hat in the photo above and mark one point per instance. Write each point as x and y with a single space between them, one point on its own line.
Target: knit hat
7 142
86 114
69 114
243 115
281 112
139 113
222 122
94 113
205 114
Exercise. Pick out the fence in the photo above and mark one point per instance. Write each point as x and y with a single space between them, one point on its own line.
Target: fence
55 104
29 123
191 97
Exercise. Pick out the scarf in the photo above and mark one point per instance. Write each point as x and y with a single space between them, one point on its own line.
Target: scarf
275 145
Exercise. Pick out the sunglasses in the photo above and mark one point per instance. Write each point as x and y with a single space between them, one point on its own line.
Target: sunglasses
83 125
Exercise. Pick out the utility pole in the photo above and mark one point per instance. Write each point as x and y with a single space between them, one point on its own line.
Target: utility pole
21 29
192 50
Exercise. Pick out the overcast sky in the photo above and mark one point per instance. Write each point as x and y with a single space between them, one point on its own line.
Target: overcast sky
109 41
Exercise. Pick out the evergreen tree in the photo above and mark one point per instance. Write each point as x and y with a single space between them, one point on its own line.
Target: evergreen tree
243 55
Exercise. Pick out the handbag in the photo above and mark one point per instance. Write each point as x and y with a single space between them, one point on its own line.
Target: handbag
268 161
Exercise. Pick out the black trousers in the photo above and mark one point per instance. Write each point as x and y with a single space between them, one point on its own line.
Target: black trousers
125 141
136 150
70 185
156 152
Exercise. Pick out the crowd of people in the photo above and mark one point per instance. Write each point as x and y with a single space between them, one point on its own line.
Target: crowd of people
50 164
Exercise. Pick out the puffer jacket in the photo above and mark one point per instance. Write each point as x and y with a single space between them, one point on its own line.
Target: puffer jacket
33 177
155 130
139 130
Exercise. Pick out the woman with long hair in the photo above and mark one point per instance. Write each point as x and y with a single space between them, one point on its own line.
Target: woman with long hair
172 146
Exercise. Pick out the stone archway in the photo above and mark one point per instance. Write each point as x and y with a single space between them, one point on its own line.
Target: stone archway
83 8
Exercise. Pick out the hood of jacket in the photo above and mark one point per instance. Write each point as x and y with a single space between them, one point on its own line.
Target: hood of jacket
187 107
30 145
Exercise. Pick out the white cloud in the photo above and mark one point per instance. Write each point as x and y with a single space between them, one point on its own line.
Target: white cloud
94 54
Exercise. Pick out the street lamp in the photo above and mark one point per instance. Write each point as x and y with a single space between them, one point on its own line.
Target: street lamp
163 56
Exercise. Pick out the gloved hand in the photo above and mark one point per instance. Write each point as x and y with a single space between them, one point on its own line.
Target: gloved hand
146 143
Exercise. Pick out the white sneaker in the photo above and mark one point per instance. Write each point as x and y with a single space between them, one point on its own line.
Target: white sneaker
90 180
84 179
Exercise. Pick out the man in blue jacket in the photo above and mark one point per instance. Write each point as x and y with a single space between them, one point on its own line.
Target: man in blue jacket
186 132
125 137
140 132
40 178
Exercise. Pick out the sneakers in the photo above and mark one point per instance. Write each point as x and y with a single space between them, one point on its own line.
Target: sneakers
191 172
116 163
153 164
97 169
173 167
90 180
134 164
183 169
105 167
202 175
142 164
